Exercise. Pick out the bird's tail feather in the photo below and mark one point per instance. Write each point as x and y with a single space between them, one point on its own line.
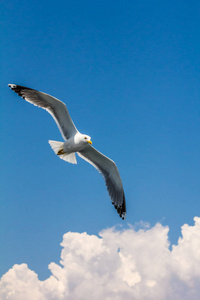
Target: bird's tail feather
58 149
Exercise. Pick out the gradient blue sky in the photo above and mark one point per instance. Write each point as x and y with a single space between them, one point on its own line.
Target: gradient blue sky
129 74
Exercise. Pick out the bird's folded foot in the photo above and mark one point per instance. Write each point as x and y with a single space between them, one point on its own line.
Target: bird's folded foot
60 152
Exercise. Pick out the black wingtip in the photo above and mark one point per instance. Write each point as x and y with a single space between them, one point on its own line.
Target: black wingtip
18 88
12 86
121 209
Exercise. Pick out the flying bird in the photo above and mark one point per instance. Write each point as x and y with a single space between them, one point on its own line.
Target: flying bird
76 142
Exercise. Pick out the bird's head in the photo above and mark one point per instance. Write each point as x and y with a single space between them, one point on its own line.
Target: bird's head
87 139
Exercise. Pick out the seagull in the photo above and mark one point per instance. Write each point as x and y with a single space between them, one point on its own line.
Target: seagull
76 142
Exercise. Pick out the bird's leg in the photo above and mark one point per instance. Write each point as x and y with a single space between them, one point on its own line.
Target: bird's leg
60 152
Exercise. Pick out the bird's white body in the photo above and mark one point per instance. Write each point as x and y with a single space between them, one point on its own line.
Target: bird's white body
67 150
76 143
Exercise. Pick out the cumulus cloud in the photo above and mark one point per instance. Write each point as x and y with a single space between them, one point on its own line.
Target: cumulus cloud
117 264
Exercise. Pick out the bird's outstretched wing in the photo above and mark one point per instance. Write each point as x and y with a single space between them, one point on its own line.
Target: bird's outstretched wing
109 170
55 107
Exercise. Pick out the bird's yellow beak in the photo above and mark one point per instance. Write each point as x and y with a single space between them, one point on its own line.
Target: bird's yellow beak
89 142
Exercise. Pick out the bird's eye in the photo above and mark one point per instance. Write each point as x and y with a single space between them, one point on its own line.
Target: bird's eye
85 138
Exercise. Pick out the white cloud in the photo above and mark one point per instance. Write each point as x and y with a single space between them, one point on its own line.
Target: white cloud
120 264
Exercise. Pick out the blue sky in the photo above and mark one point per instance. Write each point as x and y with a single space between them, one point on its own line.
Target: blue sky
128 72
